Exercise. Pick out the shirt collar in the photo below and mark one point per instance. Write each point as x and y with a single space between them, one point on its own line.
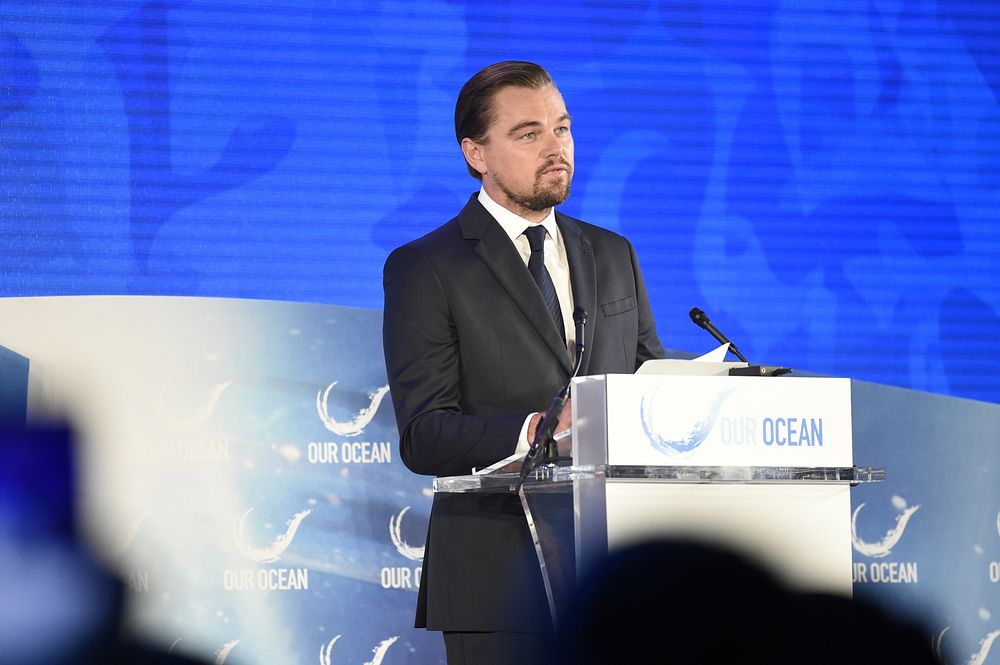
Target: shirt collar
513 224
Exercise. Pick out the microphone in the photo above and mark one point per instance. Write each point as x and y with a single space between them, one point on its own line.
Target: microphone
543 434
701 320
580 319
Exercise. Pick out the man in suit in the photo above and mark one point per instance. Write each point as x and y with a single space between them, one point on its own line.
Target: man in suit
479 336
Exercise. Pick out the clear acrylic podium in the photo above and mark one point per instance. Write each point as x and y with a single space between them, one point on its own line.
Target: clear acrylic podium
649 459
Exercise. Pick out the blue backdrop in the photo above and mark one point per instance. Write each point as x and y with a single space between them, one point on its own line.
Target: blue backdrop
820 177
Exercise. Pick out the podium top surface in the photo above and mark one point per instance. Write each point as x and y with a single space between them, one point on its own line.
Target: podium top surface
554 478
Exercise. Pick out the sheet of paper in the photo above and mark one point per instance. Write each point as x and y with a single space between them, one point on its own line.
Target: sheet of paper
709 364
716 355
514 461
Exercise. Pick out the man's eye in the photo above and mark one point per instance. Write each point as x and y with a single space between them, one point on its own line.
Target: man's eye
562 130
529 136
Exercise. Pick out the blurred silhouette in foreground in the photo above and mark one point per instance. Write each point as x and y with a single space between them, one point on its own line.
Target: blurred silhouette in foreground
675 601
58 605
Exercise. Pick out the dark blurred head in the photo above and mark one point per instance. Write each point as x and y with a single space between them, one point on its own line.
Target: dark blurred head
57 603
37 483
673 601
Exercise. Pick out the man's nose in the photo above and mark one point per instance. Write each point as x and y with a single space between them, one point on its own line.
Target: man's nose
552 146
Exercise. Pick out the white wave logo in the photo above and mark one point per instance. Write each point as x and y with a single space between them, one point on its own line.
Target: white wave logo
272 552
977 658
664 424
378 653
409 551
123 543
200 414
351 427
882 547
326 649
222 654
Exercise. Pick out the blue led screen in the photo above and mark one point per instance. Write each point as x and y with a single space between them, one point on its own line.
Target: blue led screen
822 178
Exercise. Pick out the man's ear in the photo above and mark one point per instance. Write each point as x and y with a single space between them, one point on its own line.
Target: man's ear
474 155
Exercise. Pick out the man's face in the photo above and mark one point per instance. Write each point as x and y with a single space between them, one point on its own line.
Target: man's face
527 158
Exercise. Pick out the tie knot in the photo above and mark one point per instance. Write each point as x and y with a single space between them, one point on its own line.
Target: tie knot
536 237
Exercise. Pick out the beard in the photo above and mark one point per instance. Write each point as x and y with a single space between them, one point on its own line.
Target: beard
542 196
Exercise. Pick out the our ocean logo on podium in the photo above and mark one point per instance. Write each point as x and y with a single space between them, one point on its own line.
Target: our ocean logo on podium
402 577
884 572
266 578
349 452
722 421
378 652
676 424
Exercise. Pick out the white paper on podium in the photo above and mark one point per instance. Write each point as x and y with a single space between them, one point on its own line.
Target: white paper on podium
710 364
716 355
514 461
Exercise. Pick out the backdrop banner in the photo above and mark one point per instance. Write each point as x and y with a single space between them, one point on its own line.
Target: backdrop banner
927 540
240 471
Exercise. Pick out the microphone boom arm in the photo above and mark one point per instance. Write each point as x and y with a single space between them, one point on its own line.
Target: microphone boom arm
543 441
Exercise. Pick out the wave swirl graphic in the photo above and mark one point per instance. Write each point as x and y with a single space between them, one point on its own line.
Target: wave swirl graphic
881 547
272 552
356 425
326 649
198 416
677 426
223 653
409 551
122 544
978 658
378 653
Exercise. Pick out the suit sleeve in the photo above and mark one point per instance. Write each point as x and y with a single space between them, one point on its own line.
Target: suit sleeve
648 346
422 359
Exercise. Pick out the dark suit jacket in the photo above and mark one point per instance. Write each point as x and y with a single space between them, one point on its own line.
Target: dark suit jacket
470 351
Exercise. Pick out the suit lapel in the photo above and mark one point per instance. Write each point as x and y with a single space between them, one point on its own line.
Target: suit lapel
582 277
493 246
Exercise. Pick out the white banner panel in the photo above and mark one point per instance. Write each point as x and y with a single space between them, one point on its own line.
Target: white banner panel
728 421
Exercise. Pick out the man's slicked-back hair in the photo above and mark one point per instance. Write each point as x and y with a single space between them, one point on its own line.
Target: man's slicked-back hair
474 110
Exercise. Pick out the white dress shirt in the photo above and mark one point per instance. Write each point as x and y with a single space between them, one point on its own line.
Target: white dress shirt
555 256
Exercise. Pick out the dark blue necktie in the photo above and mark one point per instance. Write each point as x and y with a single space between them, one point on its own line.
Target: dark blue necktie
536 265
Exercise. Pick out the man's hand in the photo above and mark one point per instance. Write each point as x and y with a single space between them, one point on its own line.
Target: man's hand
565 421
